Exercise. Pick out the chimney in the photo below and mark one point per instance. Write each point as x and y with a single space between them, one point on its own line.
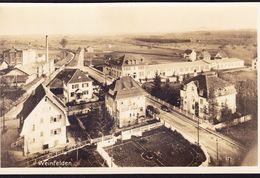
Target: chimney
47 50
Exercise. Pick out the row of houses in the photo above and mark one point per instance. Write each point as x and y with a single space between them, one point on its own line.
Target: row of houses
125 101
211 54
138 68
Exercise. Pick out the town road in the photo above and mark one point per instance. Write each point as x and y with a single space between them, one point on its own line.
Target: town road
221 151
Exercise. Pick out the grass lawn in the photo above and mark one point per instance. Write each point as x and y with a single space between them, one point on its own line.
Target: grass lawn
245 133
158 147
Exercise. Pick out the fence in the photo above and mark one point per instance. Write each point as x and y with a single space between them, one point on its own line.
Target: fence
234 122
105 156
139 131
83 108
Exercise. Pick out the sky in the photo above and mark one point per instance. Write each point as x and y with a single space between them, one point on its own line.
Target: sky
113 19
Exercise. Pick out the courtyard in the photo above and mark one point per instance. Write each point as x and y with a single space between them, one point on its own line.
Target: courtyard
157 147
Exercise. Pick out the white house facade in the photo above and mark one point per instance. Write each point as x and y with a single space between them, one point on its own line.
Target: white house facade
139 70
77 86
190 55
202 89
43 122
125 101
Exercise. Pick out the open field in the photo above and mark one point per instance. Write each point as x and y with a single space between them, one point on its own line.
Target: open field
239 44
158 147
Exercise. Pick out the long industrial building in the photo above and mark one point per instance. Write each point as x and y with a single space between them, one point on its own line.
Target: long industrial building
136 67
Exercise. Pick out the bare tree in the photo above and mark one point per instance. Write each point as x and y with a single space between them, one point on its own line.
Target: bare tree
63 44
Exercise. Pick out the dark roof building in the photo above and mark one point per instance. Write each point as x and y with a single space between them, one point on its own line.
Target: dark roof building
126 60
215 53
211 86
34 99
188 51
125 87
73 76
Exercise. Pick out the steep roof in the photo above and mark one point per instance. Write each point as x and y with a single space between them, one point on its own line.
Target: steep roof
34 99
127 59
125 87
73 76
212 86
12 50
214 52
188 51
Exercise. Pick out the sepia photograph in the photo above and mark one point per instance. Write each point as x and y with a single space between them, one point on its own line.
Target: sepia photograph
129 85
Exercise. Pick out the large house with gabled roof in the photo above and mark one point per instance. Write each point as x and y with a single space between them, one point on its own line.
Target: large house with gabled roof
204 89
125 101
43 122
77 86
126 65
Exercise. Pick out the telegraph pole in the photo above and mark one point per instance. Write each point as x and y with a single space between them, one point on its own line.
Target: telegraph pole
198 132
217 151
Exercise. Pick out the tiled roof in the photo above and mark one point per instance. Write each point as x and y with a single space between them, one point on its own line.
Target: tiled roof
214 52
125 87
33 100
188 51
12 50
73 76
211 86
127 59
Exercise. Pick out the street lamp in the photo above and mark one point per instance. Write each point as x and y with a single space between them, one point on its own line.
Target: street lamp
229 160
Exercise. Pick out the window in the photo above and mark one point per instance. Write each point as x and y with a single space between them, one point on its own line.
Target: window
201 101
141 109
46 99
33 140
57 131
54 119
130 114
51 132
33 127
73 86
41 134
122 102
77 86
72 94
